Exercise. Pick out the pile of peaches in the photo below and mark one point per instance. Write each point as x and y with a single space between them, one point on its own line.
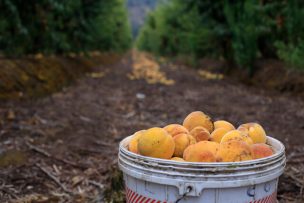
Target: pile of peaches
199 139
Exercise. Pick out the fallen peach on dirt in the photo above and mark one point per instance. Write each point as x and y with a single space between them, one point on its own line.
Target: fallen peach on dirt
223 124
198 118
133 145
156 142
200 133
260 150
255 131
203 151
175 129
233 151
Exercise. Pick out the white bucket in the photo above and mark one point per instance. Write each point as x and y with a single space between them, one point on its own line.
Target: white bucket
151 180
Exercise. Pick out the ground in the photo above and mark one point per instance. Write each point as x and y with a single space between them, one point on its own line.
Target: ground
63 148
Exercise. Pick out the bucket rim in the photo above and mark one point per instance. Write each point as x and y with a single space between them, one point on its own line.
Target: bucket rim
279 151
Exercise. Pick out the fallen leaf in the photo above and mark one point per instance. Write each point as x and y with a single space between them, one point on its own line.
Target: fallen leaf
11 115
76 180
97 74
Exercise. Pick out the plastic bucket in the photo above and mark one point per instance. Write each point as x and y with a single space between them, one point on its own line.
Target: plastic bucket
151 180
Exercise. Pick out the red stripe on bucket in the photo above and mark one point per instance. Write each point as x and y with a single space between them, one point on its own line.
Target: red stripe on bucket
269 199
133 197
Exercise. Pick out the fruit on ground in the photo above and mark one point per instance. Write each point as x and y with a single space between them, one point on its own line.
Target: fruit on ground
182 141
200 133
260 150
255 131
223 124
156 142
204 151
218 134
175 129
198 118
133 145
233 151
236 135
177 159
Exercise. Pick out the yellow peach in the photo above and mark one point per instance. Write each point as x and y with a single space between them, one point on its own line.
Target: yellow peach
182 141
177 159
236 135
198 118
175 129
218 134
203 151
255 131
156 142
223 124
233 151
192 139
261 150
243 130
134 141
200 133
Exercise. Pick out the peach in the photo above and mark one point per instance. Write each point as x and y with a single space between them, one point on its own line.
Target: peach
255 131
243 130
177 159
236 135
156 142
198 118
203 151
182 141
200 133
261 150
175 129
233 151
192 139
223 124
218 134
134 141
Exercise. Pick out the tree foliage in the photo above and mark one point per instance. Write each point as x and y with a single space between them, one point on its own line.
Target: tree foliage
55 26
239 31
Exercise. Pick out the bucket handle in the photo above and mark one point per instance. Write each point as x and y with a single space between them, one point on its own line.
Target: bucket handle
188 190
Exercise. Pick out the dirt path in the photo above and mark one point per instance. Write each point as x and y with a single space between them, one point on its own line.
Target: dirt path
71 137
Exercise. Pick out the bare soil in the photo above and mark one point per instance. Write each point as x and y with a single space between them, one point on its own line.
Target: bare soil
63 148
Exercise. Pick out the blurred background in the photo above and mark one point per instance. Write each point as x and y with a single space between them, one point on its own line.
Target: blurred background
77 76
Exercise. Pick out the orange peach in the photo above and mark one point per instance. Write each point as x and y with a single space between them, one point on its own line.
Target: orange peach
175 129
236 135
223 124
261 150
134 141
182 141
218 134
192 139
203 151
233 151
243 130
255 131
198 118
200 133
156 142
177 159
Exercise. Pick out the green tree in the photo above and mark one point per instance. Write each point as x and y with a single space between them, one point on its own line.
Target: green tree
239 31
55 26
